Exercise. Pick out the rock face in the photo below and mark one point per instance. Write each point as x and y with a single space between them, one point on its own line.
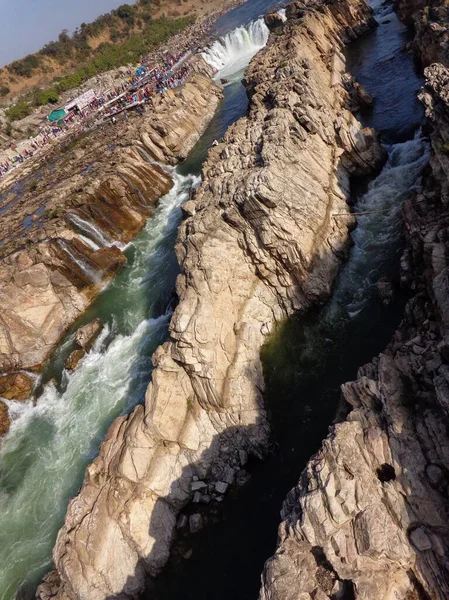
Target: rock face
16 386
264 236
430 24
103 189
84 340
369 517
4 418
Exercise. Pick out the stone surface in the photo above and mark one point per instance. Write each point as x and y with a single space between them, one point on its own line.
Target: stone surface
16 386
371 506
74 359
107 181
4 418
431 31
260 240
84 340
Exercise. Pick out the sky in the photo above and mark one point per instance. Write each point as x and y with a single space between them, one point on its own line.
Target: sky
26 25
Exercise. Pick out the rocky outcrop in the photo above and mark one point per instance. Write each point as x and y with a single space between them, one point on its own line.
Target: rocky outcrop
4 418
431 32
62 231
16 386
369 517
259 240
85 338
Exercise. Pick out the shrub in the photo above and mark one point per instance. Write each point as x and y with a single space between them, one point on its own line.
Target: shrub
18 111
4 90
42 97
25 66
126 12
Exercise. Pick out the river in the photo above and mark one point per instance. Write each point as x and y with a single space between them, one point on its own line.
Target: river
311 355
43 458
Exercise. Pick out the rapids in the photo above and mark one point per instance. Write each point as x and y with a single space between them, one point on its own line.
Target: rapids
310 355
43 457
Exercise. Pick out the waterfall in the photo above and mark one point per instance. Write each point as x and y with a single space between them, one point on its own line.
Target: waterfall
376 238
89 229
90 273
43 457
166 168
233 52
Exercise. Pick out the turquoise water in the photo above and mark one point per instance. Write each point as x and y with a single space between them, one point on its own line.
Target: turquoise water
43 458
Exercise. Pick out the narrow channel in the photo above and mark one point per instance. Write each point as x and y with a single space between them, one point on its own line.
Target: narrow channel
311 355
43 457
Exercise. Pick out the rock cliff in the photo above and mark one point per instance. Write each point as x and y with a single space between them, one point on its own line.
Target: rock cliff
62 230
430 24
369 517
260 239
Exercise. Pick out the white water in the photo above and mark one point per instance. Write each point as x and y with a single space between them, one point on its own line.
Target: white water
232 53
43 457
89 242
88 271
91 231
376 236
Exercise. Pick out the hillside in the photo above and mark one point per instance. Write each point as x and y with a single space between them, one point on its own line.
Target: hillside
113 39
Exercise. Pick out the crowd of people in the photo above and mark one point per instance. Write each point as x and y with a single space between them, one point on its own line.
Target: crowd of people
156 74
135 90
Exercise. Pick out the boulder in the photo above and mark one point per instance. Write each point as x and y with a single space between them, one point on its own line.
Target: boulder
74 358
87 335
273 21
4 419
16 386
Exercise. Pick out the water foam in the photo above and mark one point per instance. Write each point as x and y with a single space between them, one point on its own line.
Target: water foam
87 269
232 53
43 457
377 235
91 231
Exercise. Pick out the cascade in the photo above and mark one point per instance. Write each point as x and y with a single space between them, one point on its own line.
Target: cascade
43 457
90 273
376 239
91 231
233 52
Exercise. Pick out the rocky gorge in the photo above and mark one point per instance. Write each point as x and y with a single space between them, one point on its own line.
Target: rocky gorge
65 226
263 236
369 516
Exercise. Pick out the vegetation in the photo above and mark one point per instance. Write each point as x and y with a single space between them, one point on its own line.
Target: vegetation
443 147
53 213
26 66
18 111
121 24
42 97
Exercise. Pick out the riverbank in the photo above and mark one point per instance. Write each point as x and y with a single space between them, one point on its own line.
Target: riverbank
21 154
369 516
64 229
263 192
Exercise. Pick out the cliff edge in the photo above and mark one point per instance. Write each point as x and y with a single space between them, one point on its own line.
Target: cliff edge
369 517
260 240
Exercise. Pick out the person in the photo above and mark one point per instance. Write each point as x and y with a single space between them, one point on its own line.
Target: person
114 120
